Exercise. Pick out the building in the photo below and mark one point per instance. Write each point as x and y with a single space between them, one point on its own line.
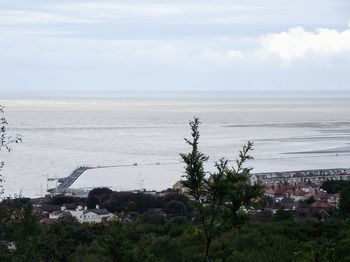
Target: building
291 177
82 215
180 188
95 215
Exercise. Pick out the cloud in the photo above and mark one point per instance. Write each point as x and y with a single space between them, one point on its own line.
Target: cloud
293 46
297 43
296 46
94 42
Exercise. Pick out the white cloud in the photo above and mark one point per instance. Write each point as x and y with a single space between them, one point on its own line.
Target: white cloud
101 39
297 43
296 46
293 46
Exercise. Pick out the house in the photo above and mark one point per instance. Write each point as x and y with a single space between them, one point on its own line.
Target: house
180 188
47 208
95 215
253 179
333 198
120 218
270 191
299 195
82 215
166 192
288 203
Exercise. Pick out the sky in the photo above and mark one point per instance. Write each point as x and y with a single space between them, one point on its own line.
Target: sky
99 45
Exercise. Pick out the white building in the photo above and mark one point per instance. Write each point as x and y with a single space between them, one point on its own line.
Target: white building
83 215
95 215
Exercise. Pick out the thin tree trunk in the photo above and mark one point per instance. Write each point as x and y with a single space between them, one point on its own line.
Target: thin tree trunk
207 248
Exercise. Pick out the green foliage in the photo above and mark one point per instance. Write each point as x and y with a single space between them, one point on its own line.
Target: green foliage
60 200
178 239
283 215
221 197
194 169
176 208
98 196
121 201
310 200
344 205
342 187
177 205
116 244
335 186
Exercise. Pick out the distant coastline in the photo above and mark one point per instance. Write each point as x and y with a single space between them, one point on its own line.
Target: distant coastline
113 94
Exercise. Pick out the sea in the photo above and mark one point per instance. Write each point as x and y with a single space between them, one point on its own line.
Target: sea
135 138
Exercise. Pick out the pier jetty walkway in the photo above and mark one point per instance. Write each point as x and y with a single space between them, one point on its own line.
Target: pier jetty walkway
66 182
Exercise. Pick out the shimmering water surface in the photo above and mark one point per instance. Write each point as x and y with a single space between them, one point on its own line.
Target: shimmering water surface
61 134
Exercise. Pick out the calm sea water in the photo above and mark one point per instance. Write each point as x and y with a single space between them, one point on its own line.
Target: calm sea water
61 134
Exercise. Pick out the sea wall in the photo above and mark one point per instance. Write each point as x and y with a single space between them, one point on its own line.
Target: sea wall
316 176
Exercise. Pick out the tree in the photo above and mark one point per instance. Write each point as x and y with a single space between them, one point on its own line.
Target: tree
27 232
344 204
335 186
5 143
283 215
97 196
342 187
310 200
219 197
116 244
120 201
176 208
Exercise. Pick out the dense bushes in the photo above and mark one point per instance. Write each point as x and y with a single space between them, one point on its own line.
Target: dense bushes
175 239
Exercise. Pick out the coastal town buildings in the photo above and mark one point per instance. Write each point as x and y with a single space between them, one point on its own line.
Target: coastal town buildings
315 176
81 214
295 190
300 191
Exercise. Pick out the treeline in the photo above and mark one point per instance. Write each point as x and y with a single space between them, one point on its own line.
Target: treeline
171 202
174 239
176 235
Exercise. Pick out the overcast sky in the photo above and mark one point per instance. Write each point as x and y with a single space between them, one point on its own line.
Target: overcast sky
174 45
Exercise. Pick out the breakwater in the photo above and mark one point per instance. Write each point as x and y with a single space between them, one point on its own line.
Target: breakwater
316 176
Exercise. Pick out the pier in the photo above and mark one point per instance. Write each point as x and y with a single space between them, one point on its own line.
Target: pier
66 182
